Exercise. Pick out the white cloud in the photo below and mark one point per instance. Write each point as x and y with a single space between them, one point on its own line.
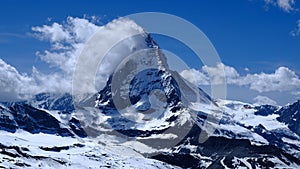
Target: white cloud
285 5
15 85
263 100
212 75
195 77
282 80
296 93
12 82
54 82
54 33
216 73
67 41
64 52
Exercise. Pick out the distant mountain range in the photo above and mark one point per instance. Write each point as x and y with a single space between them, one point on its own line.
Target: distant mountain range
181 127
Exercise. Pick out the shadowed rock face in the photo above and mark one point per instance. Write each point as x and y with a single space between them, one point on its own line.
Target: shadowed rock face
291 116
225 148
216 152
220 152
23 116
48 101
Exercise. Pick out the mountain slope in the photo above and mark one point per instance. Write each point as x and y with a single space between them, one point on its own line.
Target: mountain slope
147 116
25 150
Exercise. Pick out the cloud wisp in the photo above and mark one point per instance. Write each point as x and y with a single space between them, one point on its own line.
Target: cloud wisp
285 5
296 31
264 100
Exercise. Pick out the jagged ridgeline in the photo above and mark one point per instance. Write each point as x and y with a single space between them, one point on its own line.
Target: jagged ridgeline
175 125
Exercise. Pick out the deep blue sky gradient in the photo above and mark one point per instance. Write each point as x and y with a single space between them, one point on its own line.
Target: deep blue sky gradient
245 33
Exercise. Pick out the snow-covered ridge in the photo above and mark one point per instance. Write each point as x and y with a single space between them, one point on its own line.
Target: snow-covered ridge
261 126
25 150
177 124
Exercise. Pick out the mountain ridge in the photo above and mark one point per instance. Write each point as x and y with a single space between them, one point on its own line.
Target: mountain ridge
180 152
151 112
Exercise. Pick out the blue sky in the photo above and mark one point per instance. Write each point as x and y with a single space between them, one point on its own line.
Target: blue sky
246 33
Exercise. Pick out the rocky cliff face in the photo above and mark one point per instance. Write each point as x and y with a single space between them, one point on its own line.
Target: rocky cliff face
147 109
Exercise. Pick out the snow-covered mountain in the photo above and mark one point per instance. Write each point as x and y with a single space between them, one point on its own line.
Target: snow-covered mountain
159 120
248 136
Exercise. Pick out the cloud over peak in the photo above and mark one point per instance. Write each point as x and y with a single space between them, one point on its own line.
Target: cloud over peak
67 39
